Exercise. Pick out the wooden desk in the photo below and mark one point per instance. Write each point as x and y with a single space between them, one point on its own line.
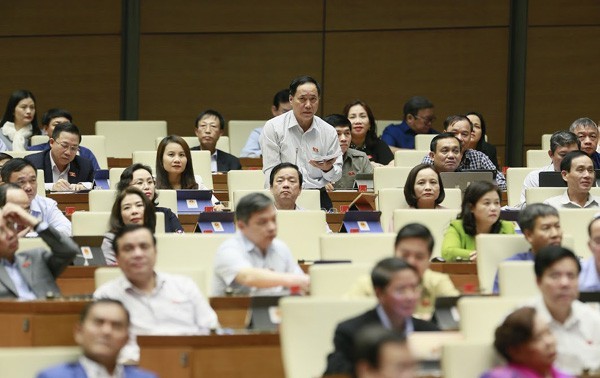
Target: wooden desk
219 182
463 275
80 201
231 311
251 163
77 280
342 198
119 162
225 356
38 323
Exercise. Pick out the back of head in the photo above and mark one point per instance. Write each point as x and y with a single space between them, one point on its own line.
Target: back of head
14 165
337 120
565 164
529 215
563 138
414 104
382 273
549 255
250 204
516 329
415 230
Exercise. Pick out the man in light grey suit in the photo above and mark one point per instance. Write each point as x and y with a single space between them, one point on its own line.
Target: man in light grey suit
31 274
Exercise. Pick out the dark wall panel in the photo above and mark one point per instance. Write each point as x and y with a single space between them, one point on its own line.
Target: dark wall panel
563 12
237 74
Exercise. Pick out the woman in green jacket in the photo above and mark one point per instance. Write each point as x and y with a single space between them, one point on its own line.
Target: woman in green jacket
480 214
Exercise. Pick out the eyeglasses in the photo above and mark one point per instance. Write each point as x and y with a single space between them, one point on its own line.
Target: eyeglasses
66 146
426 119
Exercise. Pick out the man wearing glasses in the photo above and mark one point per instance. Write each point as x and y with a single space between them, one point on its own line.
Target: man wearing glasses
64 170
418 119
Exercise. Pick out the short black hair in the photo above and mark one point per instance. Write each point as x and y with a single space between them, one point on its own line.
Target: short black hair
338 120
281 96
565 164
250 204
55 113
409 187
415 230
66 127
15 165
4 188
88 307
549 255
414 104
370 340
281 166
211 112
120 232
434 141
303 80
382 273
563 138
531 213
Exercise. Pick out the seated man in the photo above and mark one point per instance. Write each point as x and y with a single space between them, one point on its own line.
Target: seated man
101 333
64 170
281 104
49 121
253 261
383 353
540 225
353 161
577 170
589 279
561 142
31 274
418 119
22 173
587 133
575 325
462 128
159 303
286 185
445 152
414 244
398 289
209 128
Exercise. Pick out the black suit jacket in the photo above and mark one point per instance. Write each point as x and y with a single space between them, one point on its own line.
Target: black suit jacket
225 162
341 361
81 169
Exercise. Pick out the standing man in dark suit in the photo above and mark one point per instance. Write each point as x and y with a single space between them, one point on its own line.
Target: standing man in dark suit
102 332
31 274
64 170
209 128
398 289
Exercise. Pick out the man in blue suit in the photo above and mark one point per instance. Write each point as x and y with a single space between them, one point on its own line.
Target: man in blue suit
102 331
64 170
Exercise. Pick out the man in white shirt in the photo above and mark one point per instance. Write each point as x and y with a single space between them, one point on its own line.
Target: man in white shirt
302 138
577 170
22 173
159 303
254 261
561 143
575 325
102 332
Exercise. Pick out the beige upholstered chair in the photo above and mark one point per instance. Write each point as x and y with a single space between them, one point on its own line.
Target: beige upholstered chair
124 137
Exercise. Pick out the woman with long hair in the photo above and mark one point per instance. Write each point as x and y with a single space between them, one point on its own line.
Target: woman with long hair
19 122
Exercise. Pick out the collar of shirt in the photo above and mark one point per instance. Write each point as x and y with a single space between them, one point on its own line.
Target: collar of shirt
292 122
95 370
250 247
131 288
387 323
565 200
571 322
213 162
56 173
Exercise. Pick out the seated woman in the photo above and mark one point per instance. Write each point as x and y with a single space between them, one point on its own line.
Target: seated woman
525 340
19 122
172 168
424 188
480 214
364 134
140 176
478 138
131 207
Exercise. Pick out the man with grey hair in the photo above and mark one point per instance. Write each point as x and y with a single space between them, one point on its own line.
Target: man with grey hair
561 143
587 133
540 225
253 261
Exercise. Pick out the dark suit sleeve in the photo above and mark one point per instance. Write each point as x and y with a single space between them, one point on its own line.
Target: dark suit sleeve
340 360
63 248
424 326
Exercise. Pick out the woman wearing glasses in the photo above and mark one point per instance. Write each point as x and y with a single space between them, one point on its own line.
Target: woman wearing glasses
19 122
140 176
